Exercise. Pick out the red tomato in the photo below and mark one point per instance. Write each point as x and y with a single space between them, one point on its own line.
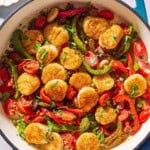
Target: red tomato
144 115
40 22
124 114
107 14
139 48
71 93
69 141
31 66
25 106
44 97
10 107
91 59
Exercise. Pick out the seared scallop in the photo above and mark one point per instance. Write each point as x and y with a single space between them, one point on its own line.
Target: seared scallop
28 84
94 26
70 58
135 85
103 83
56 89
56 143
31 38
47 54
80 80
105 116
35 133
56 34
53 71
88 141
86 99
111 37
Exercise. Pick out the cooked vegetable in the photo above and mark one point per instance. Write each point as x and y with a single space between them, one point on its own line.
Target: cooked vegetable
75 36
92 71
14 74
126 42
52 15
16 40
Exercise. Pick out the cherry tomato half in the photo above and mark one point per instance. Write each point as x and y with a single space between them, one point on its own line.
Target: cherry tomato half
91 59
139 48
10 107
69 141
144 115
31 66
40 22
124 114
24 105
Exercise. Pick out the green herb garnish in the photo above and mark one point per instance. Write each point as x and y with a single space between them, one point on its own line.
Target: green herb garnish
24 37
44 53
99 54
21 125
121 79
37 46
134 90
101 136
115 38
53 86
70 29
140 103
64 56
136 66
73 45
101 112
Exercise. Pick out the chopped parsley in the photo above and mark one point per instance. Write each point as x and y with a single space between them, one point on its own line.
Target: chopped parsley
121 79
115 38
73 45
140 103
37 46
64 56
101 112
70 29
101 136
136 66
53 86
44 53
21 125
134 90
99 54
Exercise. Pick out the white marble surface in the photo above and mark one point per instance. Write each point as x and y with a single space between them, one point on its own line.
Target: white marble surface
3 144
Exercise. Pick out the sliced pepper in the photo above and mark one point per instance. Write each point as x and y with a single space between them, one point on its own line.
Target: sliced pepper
130 64
75 36
122 98
126 42
17 44
92 71
14 74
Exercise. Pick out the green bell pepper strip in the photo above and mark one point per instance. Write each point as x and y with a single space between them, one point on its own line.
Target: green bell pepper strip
75 36
126 42
92 71
14 74
17 44
117 133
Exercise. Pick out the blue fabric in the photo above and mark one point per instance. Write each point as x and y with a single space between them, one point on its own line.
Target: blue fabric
140 9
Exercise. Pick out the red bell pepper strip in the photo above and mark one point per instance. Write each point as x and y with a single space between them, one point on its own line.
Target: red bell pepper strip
72 12
38 119
147 94
75 111
144 115
103 98
119 66
121 98
44 97
51 115
71 93
130 64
